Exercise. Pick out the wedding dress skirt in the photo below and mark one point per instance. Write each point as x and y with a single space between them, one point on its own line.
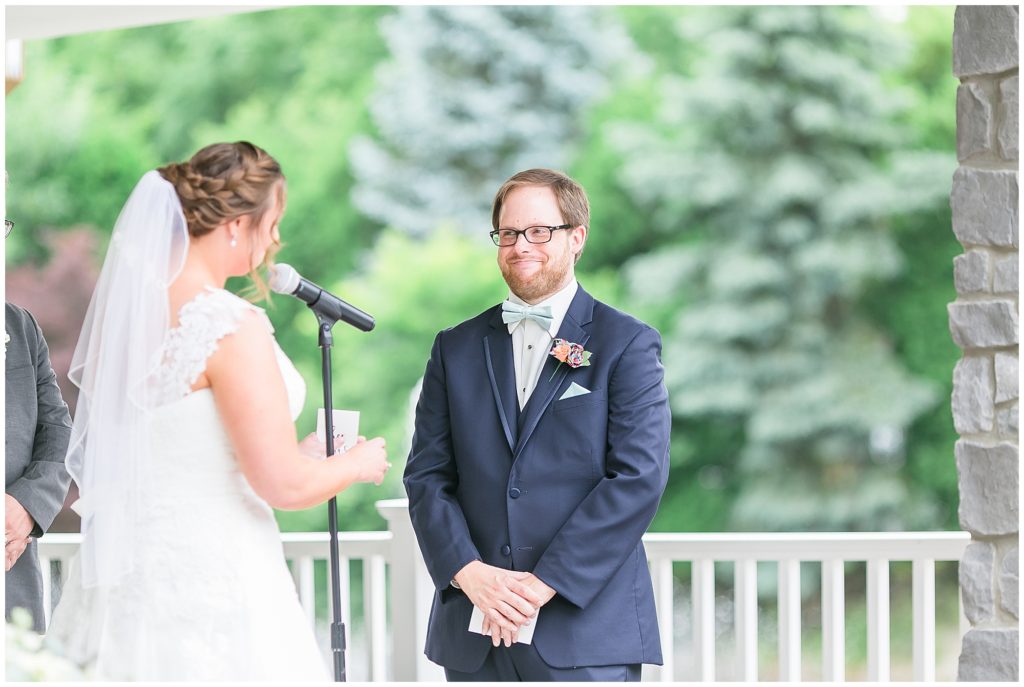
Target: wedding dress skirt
210 596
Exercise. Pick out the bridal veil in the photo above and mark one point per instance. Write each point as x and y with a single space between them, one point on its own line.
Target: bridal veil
118 352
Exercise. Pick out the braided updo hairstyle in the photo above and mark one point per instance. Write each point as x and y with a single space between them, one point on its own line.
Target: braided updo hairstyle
224 181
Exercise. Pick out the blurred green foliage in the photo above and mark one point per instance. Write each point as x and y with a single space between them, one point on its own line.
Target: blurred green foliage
97 110
471 95
912 309
781 171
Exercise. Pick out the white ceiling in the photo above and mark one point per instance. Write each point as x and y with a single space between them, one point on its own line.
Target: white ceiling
50 21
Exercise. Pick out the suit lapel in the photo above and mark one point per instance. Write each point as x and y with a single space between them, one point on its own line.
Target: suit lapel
502 374
552 375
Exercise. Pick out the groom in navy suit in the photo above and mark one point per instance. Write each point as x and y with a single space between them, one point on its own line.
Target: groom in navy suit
539 457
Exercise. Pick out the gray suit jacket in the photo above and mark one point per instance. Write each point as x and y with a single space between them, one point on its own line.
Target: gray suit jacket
38 430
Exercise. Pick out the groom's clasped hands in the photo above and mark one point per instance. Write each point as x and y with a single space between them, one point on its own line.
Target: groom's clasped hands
509 599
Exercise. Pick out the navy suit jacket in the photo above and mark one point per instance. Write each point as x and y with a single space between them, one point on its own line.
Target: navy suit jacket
564 488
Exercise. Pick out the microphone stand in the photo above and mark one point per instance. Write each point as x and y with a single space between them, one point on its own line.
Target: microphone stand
337 625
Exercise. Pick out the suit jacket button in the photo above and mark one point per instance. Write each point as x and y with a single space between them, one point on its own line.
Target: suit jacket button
514 493
506 550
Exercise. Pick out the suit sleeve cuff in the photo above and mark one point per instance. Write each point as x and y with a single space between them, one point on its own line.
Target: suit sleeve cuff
21 495
562 589
451 578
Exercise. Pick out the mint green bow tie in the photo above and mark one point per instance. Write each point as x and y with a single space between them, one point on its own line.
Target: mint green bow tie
513 312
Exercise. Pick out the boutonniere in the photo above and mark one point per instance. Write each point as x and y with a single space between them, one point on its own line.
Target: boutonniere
572 354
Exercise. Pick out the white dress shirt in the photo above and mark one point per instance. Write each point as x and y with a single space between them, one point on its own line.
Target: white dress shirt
531 343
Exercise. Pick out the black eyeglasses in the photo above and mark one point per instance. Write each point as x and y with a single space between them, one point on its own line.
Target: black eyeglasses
8 227
538 234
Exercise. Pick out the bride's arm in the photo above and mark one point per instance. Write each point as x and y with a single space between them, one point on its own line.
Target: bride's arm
253 403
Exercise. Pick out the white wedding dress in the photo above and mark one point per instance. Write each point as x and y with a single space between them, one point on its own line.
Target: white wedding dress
210 596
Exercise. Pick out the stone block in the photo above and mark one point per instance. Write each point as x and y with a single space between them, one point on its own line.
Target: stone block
1006 377
1006 135
984 324
1009 584
971 271
1007 422
1006 274
973 390
989 655
988 487
984 40
975 119
984 204
976 582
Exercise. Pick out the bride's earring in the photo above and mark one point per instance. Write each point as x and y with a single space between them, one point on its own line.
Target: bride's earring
234 242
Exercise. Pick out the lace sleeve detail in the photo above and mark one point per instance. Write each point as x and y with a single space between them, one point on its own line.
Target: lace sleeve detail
202 323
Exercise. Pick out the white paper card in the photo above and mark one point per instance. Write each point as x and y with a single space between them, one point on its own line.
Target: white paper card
476 623
346 425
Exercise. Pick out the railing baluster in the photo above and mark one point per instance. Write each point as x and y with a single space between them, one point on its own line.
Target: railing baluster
963 622
661 577
746 619
375 615
302 572
45 567
789 620
924 619
833 621
345 568
878 620
703 594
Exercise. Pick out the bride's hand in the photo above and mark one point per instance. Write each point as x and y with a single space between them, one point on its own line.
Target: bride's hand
314 448
370 458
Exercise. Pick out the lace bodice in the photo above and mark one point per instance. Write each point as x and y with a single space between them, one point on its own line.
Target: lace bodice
202 323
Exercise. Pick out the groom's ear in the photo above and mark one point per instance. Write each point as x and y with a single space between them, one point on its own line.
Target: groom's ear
578 241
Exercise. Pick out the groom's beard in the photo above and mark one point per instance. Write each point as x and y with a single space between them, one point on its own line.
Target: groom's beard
549 280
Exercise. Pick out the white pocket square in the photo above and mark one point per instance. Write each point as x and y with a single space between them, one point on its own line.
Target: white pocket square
573 391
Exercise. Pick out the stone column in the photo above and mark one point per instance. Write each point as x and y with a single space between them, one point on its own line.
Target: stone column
984 324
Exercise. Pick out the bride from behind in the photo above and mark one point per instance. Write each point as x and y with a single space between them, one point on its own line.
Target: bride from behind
184 440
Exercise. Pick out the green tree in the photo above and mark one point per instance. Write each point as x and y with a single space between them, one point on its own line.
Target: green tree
67 164
105 107
620 221
912 308
777 166
472 95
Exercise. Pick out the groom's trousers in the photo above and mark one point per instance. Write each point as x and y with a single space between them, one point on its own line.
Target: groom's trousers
522 663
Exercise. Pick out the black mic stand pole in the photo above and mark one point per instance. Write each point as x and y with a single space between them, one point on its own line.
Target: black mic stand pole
338 624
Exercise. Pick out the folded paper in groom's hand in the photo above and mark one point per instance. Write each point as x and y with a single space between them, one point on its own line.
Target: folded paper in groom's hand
476 623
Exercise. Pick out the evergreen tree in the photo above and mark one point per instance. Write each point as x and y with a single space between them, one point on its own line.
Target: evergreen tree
769 168
909 308
472 95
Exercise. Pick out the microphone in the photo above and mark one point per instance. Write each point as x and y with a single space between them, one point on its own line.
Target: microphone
284 279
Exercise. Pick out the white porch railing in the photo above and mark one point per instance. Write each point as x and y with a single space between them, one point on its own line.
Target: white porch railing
396 593
832 550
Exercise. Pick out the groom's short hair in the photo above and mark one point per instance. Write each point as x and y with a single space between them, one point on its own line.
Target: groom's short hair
571 198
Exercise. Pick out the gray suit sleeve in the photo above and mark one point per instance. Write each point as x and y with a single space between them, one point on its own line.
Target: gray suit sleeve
43 486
